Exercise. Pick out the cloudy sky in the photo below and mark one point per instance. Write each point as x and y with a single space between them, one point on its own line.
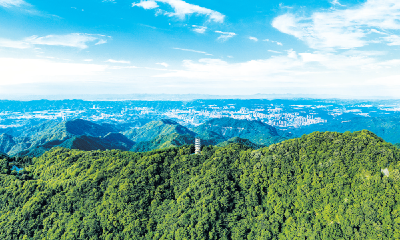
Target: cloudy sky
340 47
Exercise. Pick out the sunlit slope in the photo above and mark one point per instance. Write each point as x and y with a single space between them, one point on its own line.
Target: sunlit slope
320 186
36 140
155 129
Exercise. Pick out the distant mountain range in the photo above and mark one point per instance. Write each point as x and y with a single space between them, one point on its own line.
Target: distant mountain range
387 128
85 135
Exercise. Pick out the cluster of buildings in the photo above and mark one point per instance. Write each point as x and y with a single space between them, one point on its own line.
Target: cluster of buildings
282 115
275 117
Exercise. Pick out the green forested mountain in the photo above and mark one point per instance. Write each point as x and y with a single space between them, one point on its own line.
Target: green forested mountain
155 129
41 138
87 143
164 141
83 142
6 142
167 133
387 128
119 140
320 186
85 135
243 141
226 128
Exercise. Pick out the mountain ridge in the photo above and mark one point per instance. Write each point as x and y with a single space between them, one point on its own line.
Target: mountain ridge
324 185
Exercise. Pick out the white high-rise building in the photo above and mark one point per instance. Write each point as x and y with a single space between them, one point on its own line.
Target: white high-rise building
63 116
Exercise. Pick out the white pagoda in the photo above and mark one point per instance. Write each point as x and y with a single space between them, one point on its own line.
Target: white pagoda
197 145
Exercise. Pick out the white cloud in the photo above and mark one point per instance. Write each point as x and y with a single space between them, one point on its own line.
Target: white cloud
195 51
254 39
13 44
277 43
12 3
274 51
376 31
225 35
101 41
344 28
300 69
15 71
118 61
219 69
163 64
291 54
393 40
199 29
181 9
77 40
336 2
146 4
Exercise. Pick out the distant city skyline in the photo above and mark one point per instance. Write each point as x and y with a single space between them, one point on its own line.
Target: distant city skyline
333 47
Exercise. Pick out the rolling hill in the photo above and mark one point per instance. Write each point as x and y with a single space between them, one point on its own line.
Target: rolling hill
74 133
154 129
223 129
320 186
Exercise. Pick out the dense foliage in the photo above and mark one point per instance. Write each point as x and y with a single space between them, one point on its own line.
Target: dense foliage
320 186
242 141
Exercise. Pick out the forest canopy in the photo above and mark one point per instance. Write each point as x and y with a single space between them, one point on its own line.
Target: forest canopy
319 186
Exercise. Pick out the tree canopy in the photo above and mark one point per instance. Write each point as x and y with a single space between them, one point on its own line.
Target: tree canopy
320 186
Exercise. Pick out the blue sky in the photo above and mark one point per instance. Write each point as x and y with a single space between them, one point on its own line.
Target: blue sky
340 47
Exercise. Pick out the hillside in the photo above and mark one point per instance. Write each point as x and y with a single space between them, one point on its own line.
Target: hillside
387 128
242 141
227 128
320 186
163 141
119 141
154 129
46 135
6 142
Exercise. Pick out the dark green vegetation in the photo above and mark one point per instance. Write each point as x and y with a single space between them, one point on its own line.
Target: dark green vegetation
242 141
387 127
320 186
